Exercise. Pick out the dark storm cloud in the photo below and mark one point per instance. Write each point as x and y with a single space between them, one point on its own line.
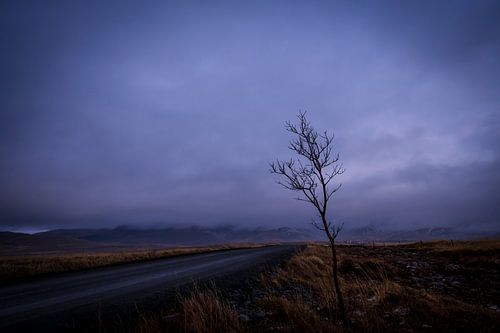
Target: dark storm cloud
167 113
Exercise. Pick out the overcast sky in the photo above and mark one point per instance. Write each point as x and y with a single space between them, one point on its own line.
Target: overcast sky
168 113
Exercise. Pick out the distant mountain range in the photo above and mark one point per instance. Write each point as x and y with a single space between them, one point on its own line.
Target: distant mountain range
19 243
77 240
184 236
373 233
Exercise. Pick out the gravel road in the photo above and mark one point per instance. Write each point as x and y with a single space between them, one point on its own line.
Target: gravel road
33 301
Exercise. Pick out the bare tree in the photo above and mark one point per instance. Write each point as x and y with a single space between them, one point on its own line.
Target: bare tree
311 174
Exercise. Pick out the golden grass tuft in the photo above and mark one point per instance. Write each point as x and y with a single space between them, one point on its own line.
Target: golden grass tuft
293 315
207 311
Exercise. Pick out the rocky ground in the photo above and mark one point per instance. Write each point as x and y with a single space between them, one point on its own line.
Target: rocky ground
470 275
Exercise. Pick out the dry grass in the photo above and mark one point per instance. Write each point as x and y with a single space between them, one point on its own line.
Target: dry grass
298 315
482 252
207 311
377 301
21 267
298 296
449 245
203 311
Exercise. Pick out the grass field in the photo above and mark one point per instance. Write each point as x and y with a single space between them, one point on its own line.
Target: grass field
424 287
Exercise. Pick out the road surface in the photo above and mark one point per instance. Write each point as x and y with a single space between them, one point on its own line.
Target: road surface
34 301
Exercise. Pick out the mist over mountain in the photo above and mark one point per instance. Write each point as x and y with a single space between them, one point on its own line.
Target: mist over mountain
186 236
129 237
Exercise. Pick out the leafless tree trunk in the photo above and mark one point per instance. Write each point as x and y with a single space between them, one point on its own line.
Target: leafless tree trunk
310 174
